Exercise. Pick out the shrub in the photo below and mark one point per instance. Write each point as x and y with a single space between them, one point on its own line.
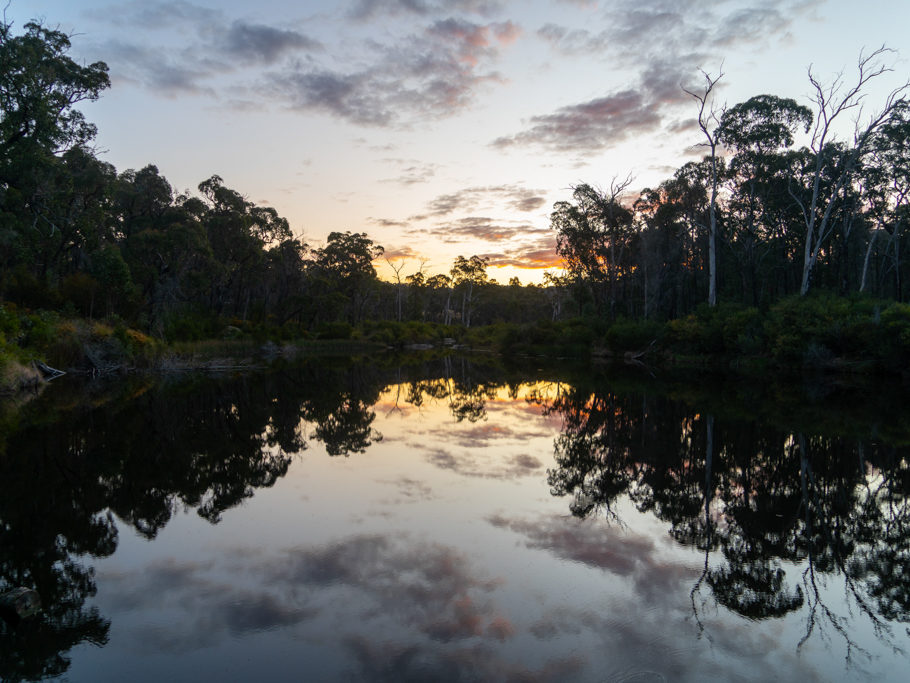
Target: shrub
190 326
632 335
334 330
9 321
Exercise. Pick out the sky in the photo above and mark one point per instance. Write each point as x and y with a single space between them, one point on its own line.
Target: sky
445 127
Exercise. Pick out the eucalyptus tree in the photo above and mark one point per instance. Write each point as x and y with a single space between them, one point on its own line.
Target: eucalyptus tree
416 307
141 200
592 238
239 233
709 124
677 212
467 275
345 264
439 287
40 85
888 187
833 101
39 88
757 131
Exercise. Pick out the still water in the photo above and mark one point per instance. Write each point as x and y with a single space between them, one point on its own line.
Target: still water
456 521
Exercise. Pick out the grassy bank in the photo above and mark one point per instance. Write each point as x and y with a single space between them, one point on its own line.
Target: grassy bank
857 335
34 342
824 333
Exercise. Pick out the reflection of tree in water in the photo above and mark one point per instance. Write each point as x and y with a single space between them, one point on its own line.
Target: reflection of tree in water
44 523
141 455
465 387
752 498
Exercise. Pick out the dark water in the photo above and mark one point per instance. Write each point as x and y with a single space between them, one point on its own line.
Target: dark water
457 522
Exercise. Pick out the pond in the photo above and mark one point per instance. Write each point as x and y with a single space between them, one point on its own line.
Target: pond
457 521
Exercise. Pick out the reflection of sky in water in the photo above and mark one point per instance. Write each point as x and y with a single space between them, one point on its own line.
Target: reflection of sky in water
438 554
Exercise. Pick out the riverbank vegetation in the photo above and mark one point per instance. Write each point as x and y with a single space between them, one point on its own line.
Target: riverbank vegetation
783 247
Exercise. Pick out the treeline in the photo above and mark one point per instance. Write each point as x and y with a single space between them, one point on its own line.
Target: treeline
758 220
81 238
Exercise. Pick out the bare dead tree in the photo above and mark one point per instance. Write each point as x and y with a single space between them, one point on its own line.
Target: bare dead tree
832 101
398 286
709 123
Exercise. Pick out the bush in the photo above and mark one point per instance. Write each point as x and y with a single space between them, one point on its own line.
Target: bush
10 325
135 342
632 335
191 326
742 332
336 330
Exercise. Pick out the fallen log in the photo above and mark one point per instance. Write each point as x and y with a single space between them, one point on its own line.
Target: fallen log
47 371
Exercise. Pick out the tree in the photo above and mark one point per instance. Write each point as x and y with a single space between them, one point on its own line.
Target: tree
346 262
441 285
142 200
592 237
467 274
757 130
888 173
832 102
39 86
709 123
399 290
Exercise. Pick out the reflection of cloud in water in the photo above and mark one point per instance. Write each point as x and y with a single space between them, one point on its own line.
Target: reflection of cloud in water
426 585
495 466
384 608
207 607
396 662
410 491
483 435
605 547
645 628
358 581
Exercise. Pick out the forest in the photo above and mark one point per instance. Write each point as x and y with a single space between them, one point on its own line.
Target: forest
783 239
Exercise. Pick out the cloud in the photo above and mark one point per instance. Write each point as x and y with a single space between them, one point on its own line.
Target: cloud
350 97
414 73
153 69
472 42
433 74
392 661
411 491
155 15
258 43
400 253
484 229
536 256
210 609
691 34
590 126
425 586
468 199
412 172
187 48
368 9
574 41
390 223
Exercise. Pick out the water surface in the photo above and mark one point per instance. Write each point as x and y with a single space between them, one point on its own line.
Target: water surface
456 522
